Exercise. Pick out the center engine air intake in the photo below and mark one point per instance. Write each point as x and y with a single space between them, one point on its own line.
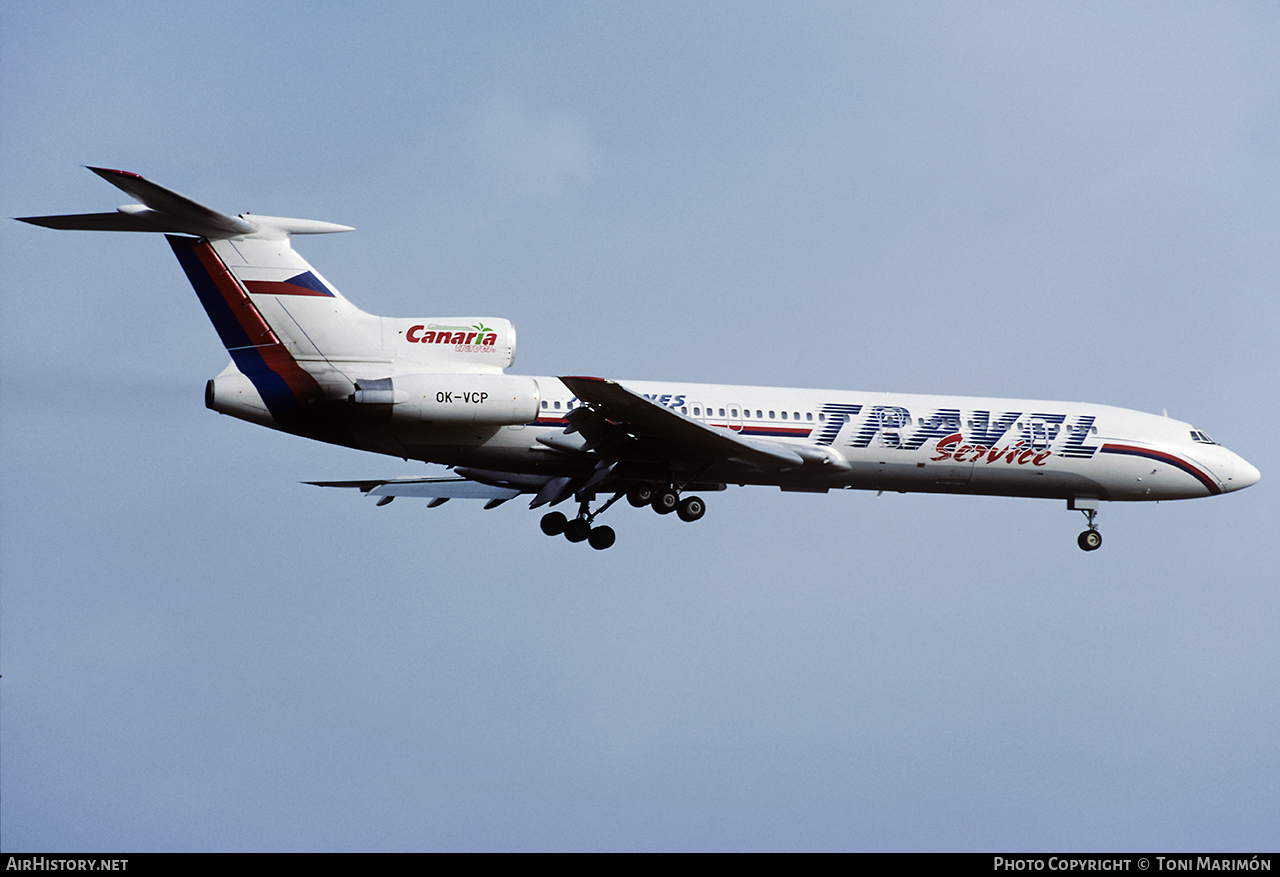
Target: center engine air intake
464 400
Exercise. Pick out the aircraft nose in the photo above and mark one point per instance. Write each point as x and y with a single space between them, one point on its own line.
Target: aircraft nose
1245 474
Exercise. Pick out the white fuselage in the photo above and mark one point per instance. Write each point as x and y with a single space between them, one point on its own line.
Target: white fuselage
306 360
887 441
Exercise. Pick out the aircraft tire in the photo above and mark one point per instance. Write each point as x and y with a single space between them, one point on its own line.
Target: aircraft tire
665 501
577 530
1089 540
553 523
601 538
691 508
640 496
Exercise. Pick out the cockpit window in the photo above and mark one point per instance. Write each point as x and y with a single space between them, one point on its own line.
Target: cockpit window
1198 436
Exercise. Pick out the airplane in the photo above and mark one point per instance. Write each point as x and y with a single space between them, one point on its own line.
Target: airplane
306 361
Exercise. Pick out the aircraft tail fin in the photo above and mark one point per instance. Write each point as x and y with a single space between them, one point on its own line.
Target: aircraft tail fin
259 293
257 351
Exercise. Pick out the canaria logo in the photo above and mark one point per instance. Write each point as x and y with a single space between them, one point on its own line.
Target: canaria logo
468 339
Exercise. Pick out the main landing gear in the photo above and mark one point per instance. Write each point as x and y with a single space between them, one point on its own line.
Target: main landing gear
664 501
578 530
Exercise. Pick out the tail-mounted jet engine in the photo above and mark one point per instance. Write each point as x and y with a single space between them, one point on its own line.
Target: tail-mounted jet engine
462 400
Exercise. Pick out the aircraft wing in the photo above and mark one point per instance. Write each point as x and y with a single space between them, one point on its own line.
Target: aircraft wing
658 432
614 424
443 487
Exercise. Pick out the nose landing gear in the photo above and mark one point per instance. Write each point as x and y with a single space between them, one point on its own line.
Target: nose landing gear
1090 539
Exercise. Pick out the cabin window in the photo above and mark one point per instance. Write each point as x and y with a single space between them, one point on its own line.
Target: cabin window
545 403
784 415
771 415
684 410
734 411
697 412
808 415
722 412
797 415
557 405
759 414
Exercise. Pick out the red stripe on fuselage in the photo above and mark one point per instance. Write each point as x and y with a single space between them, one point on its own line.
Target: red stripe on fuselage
776 431
1164 457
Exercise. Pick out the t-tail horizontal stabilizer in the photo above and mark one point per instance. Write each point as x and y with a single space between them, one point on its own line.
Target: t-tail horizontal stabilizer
164 210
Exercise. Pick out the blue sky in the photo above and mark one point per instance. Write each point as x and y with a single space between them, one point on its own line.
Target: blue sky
1062 201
